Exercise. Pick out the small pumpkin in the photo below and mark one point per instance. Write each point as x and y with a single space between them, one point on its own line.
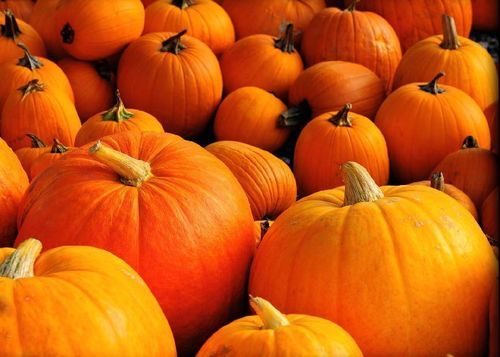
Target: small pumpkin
27 155
489 215
20 8
80 294
48 158
42 19
273 334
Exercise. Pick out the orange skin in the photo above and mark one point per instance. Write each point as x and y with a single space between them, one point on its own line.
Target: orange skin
176 203
13 184
366 38
20 8
42 19
491 114
250 115
493 349
489 215
382 270
204 20
28 155
485 14
44 161
87 302
267 181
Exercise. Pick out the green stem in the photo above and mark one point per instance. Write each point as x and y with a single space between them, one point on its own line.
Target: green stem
432 87
28 60
173 44
36 142
118 112
10 29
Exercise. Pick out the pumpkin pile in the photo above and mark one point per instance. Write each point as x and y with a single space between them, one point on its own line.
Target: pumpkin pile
248 178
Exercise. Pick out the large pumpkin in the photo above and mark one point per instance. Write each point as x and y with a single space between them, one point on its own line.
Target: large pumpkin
174 77
79 301
166 206
422 123
42 20
489 215
485 14
382 263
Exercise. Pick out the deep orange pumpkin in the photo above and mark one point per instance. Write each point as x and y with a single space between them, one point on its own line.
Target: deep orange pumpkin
489 215
485 14
27 155
261 228
57 151
20 8
42 20
493 349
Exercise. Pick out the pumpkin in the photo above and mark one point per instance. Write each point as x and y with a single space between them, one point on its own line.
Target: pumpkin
13 184
47 158
38 108
333 138
381 262
12 31
468 66
264 61
166 206
437 182
485 14
472 169
204 19
146 3
27 155
489 215
174 77
493 349
261 228
270 333
439 120
42 19
251 115
267 181
421 18
366 38
116 120
20 8
52 302
85 31
491 113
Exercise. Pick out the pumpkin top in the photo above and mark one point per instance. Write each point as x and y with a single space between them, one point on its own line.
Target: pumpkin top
58 147
270 316
432 87
118 112
352 6
470 142
182 4
359 185
10 29
450 35
20 263
36 142
437 181
28 60
32 86
173 44
341 118
285 42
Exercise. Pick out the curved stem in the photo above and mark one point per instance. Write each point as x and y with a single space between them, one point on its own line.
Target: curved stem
10 28
437 181
450 35
32 86
295 115
285 42
118 112
432 87
21 262
36 142
352 7
359 185
58 147
182 4
28 60
341 118
67 34
270 316
470 142
173 44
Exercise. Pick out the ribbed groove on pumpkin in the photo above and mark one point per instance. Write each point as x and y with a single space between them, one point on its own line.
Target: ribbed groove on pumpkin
68 34
21 262
10 29
285 42
295 115
118 112
36 142
359 185
437 181
432 87
341 118
352 6
270 316
28 60
58 147
182 4
32 86
450 35
173 44
470 142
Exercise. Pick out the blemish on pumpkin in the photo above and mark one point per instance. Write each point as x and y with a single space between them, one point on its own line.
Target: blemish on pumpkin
419 224
223 350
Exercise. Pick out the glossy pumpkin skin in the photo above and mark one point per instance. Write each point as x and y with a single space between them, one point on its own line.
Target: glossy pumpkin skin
327 86
250 115
94 29
485 14
191 194
42 19
48 158
20 8
13 184
381 270
27 155
489 215
267 181
204 19
366 38
421 18
81 294
491 113
181 90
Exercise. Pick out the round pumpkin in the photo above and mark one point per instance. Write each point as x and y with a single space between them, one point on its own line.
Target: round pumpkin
47 158
166 206
94 29
422 123
267 181
270 333
366 38
20 8
485 14
333 138
204 19
52 302
251 115
493 349
489 215
381 263
174 77
42 19
27 155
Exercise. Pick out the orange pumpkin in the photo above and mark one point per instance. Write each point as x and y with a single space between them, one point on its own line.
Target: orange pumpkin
20 8
366 38
85 30
331 139
489 215
261 228
204 19
116 120
493 349
38 108
267 181
381 262
436 120
250 115
472 169
166 206
491 113
87 294
27 155
42 19
264 61
174 77
273 334
485 14
47 158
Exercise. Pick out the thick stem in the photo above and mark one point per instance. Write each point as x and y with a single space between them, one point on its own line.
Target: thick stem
132 172
20 264
470 142
341 118
450 35
32 86
28 60
432 87
182 4
359 185
67 34
36 142
437 181
352 7
285 42
10 29
58 147
295 115
270 316
118 112
173 44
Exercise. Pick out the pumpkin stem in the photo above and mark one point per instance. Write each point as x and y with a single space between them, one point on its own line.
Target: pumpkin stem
352 7
470 142
32 86
36 142
295 115
173 44
132 172
359 185
58 147
103 69
285 42
20 263
67 34
264 227
182 4
10 29
341 118
450 35
28 60
118 112
432 87
437 181
270 316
